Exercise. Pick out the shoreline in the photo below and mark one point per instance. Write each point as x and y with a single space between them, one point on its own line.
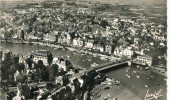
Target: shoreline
57 46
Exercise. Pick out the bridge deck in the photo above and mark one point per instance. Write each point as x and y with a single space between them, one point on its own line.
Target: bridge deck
107 66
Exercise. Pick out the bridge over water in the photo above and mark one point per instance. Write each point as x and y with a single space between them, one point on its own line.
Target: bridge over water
111 66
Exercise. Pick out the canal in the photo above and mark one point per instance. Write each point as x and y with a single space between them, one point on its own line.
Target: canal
139 82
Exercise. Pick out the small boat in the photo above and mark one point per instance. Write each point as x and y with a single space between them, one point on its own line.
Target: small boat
133 87
89 59
109 95
134 71
117 82
146 68
55 48
68 56
128 76
94 64
146 86
138 76
103 58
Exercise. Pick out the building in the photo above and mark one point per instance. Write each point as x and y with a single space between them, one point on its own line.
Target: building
89 44
128 52
78 42
159 38
108 49
143 60
98 47
41 55
61 63
68 39
50 38
122 51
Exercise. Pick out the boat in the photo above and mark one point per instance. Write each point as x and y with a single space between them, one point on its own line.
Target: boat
82 54
134 71
146 68
90 53
94 64
42 44
146 86
117 82
55 48
90 60
104 58
138 76
128 76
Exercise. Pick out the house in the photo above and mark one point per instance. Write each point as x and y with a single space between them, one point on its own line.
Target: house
68 39
75 42
61 63
128 52
137 41
59 79
98 47
124 51
78 42
143 60
33 37
159 38
60 39
50 38
108 49
108 45
89 43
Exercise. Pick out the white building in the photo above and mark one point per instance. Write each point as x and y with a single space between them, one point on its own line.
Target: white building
108 49
159 38
143 60
61 63
128 52
77 42
49 37
89 44
41 55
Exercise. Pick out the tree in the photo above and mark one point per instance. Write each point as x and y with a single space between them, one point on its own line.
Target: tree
104 23
49 58
69 64
29 62
53 71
